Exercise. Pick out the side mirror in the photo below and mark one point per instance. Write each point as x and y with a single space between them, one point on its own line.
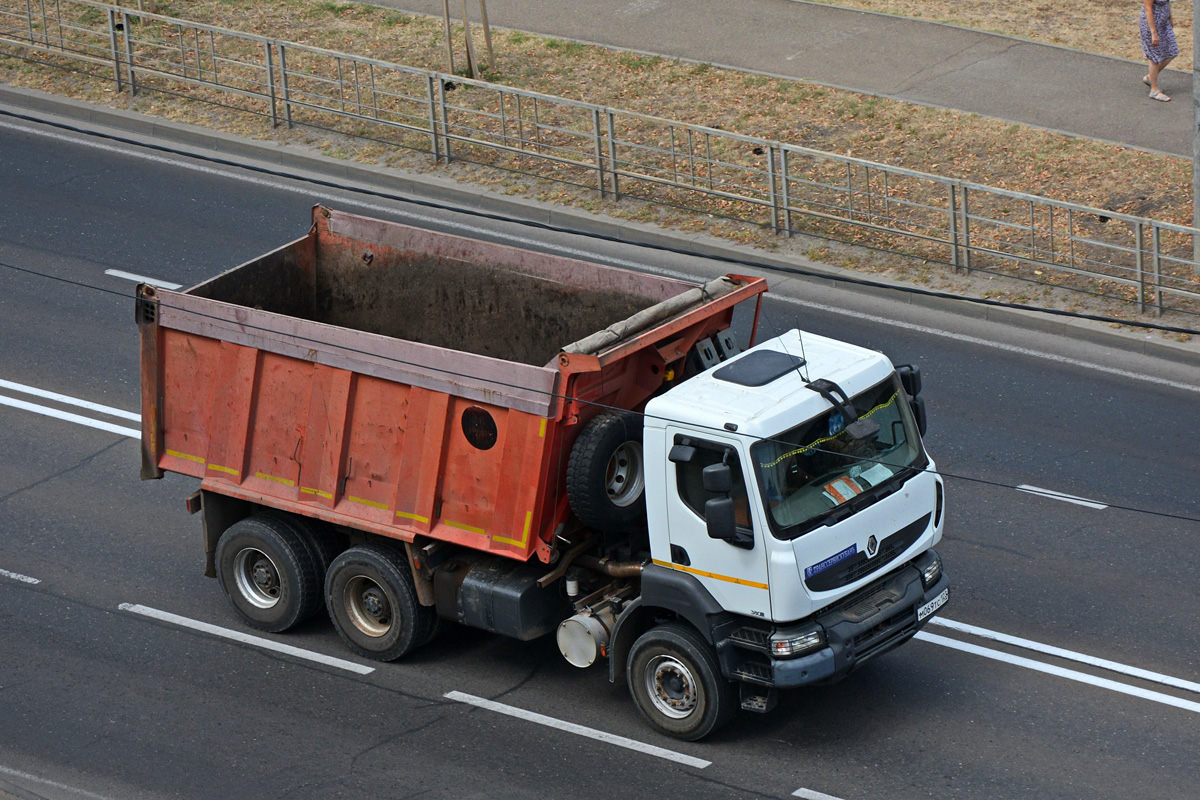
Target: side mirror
718 514
918 408
910 378
722 524
718 479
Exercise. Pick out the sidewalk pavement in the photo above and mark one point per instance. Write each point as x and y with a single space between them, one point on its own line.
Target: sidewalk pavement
928 63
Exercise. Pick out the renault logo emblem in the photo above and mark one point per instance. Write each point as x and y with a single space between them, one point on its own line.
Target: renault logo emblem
872 546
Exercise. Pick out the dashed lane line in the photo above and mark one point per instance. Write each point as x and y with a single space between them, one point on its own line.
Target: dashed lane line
129 276
579 730
244 638
1066 498
17 577
809 794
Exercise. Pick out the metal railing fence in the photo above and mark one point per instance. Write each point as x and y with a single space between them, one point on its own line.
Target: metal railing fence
787 188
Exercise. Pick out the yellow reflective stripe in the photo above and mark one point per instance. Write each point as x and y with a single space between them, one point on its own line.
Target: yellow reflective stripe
370 503
542 432
417 517
461 526
317 492
219 468
703 574
267 477
524 539
185 456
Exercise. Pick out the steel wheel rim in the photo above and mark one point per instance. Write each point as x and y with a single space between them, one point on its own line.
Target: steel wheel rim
368 606
257 578
671 686
624 478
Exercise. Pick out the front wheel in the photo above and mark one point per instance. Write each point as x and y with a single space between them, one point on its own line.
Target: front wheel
677 683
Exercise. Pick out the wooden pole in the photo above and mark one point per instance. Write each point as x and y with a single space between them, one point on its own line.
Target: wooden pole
487 35
471 67
449 46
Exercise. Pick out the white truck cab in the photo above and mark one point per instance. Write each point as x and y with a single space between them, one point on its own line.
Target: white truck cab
792 510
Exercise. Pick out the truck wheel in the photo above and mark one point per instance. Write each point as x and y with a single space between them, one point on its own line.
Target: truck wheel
677 684
606 473
268 572
322 544
373 604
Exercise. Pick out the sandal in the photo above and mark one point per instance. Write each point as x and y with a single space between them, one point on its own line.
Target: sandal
1146 80
1160 97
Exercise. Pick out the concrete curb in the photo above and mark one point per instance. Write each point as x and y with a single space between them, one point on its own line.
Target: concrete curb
215 144
10 791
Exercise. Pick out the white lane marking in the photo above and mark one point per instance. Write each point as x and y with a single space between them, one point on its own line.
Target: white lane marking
72 401
580 730
1070 655
1009 348
63 415
238 636
1066 498
809 794
1069 674
17 577
25 776
129 276
277 184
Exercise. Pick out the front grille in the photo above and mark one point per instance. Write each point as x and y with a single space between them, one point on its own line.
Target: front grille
860 565
860 609
880 637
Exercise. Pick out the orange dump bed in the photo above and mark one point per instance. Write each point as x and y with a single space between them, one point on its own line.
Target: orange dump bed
408 383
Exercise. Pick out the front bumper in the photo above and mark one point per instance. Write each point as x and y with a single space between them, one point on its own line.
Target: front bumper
867 624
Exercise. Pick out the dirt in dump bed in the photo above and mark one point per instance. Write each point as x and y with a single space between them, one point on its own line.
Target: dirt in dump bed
281 283
463 306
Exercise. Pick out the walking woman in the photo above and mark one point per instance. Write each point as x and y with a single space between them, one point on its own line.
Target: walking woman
1158 42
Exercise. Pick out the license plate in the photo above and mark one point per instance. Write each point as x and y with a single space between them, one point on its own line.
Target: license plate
933 605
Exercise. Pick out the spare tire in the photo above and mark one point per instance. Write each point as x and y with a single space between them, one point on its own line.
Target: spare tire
606 473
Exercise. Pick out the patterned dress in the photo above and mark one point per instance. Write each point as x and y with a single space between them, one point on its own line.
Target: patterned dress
1166 33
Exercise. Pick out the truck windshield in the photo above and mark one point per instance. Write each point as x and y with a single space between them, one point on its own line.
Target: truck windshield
817 473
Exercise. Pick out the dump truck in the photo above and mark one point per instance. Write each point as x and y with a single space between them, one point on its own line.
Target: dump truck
408 429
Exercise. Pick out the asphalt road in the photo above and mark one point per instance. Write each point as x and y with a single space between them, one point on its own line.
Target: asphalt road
100 701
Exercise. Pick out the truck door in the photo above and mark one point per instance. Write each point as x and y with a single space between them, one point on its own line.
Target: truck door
735 576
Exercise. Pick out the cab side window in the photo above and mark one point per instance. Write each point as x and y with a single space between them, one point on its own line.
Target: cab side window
691 456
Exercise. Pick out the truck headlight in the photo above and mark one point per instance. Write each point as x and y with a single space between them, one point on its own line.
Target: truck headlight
930 564
794 644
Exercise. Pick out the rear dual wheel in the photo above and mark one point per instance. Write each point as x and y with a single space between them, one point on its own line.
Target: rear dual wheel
371 599
270 573
280 570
